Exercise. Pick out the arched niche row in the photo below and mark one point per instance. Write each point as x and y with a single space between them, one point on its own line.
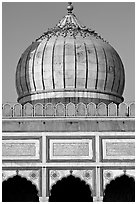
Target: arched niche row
19 189
70 189
121 189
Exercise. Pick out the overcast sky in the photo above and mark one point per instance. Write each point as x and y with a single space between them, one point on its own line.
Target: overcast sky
23 22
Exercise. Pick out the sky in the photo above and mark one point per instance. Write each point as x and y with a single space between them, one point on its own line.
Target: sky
24 22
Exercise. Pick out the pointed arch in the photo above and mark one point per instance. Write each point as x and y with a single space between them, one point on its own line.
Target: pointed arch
60 109
91 109
101 109
70 109
6 110
28 110
70 189
17 110
112 109
132 109
38 109
81 109
123 110
49 110
121 189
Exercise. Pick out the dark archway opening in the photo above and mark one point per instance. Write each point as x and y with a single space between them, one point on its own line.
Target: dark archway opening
70 189
18 189
122 189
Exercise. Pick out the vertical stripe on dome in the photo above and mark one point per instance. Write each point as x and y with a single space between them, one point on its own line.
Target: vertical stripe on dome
38 66
91 57
58 65
69 59
23 71
123 79
123 85
81 62
119 80
47 64
64 64
75 63
106 68
33 69
101 61
42 64
29 70
18 84
117 70
119 75
97 67
110 69
53 51
114 73
86 66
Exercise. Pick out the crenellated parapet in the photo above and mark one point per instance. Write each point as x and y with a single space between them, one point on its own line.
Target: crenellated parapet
68 110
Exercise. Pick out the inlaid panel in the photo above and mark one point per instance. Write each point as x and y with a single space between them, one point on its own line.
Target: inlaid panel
23 149
71 149
118 149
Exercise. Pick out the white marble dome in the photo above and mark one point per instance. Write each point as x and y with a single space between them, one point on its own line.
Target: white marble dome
70 63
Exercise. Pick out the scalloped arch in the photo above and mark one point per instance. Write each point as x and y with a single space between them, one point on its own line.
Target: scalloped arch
70 189
12 190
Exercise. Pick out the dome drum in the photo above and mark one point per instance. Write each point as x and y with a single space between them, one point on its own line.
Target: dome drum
70 96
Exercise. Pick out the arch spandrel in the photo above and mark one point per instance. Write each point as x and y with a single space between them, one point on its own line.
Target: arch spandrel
33 176
56 175
6 174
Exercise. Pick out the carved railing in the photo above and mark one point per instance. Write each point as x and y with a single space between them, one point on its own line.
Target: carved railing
68 110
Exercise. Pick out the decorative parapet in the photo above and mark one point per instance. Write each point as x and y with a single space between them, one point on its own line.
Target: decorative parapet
69 110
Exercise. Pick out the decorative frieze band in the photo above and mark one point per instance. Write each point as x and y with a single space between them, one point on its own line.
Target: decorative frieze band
68 110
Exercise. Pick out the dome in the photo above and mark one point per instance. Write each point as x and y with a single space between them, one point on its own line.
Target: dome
70 63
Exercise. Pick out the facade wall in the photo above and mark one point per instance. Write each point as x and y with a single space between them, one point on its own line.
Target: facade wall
46 149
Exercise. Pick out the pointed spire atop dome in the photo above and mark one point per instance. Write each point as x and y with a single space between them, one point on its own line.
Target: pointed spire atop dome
70 7
69 24
70 19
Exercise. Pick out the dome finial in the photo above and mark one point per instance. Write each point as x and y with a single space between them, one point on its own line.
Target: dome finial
70 7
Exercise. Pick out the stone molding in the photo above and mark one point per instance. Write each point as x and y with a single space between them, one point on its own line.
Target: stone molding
68 110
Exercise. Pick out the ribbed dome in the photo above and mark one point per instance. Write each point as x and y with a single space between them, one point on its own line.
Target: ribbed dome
70 63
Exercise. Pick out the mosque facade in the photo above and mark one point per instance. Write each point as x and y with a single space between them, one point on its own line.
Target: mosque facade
70 120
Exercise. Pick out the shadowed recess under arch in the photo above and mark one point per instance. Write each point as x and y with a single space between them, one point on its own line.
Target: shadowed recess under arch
70 189
122 189
18 189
